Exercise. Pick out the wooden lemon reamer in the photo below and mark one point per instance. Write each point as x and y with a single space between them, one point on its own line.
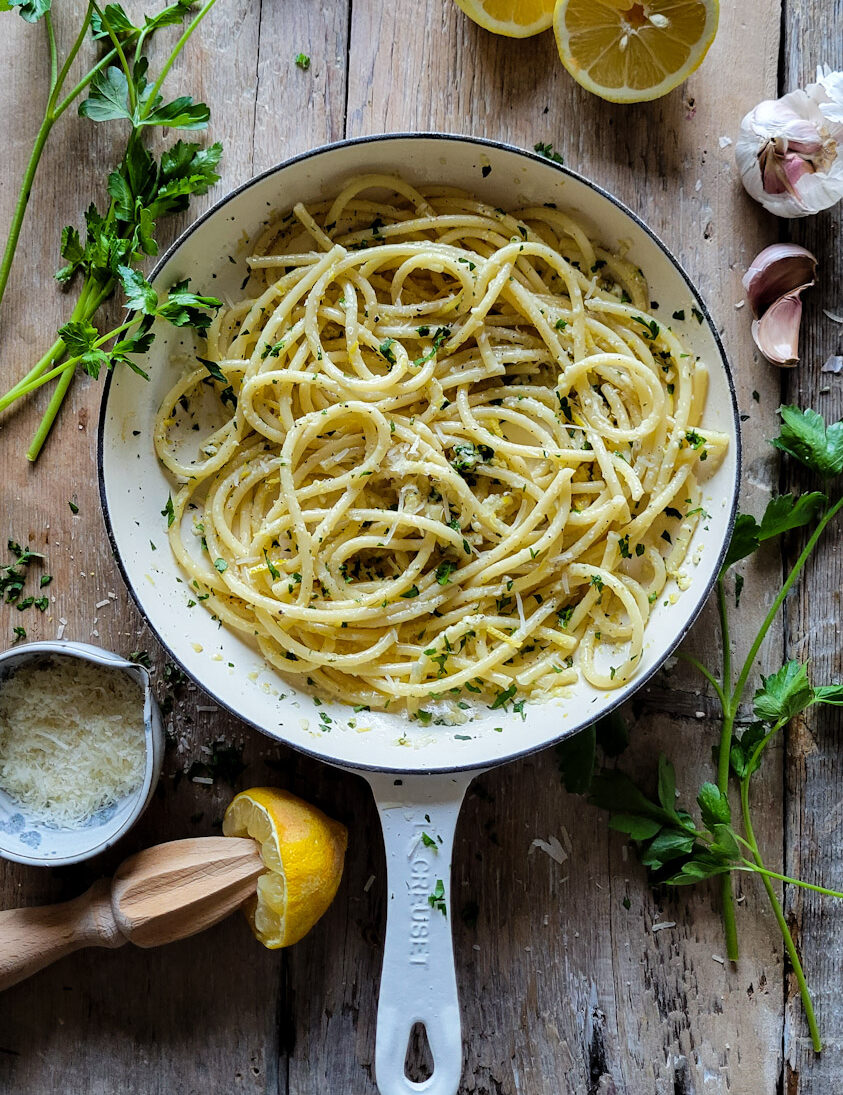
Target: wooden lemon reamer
159 895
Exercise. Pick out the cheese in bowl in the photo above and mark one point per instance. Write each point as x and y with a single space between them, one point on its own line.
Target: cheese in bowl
80 748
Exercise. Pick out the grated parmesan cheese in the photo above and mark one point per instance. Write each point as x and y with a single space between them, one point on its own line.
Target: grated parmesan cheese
72 739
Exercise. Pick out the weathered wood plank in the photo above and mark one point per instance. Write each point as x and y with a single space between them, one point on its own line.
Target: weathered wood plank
814 784
211 1014
650 1012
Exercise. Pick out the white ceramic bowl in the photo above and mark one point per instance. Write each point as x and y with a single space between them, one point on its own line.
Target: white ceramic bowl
26 839
134 487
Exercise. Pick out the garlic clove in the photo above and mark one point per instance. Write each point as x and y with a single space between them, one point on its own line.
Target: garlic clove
776 333
780 170
778 270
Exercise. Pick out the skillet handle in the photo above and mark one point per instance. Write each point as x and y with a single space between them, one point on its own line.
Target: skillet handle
418 981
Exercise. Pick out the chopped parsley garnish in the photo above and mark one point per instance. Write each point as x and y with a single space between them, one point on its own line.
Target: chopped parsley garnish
467 456
545 148
73 507
275 573
444 572
560 324
565 614
439 337
386 351
503 698
168 511
436 900
651 327
413 591
220 565
303 61
679 313
19 633
429 842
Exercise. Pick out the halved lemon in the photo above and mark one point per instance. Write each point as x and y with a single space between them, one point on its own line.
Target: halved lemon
629 52
513 18
303 851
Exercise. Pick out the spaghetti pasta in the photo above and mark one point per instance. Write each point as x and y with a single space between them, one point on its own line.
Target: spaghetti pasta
453 457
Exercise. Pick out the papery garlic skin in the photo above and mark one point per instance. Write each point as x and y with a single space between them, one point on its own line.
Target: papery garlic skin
790 150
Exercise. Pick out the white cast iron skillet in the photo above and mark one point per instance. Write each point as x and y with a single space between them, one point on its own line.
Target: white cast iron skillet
418 775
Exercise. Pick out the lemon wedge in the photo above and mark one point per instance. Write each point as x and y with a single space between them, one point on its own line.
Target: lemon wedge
303 851
629 52
513 18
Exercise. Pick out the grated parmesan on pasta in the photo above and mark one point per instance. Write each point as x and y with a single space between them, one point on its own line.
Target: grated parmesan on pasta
72 739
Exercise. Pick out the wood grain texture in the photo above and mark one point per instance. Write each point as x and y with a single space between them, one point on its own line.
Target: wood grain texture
813 846
563 987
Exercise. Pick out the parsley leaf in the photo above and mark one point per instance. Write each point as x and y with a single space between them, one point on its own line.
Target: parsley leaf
783 694
783 513
546 149
30 10
805 436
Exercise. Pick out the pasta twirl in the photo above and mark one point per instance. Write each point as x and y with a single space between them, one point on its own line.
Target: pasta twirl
453 457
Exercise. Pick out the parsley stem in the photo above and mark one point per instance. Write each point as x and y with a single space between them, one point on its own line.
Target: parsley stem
775 904
754 868
57 78
45 378
49 416
51 42
727 894
23 201
709 676
54 352
168 64
724 634
65 68
124 64
783 592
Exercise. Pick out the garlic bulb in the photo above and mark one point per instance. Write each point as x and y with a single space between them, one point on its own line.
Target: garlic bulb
773 283
790 150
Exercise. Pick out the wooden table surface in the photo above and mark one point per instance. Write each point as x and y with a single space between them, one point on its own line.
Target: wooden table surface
566 984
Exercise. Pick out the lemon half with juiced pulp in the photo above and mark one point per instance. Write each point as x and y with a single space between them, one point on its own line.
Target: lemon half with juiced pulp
512 18
628 52
303 851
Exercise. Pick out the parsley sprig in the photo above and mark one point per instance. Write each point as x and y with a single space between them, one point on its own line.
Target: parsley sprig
118 87
678 849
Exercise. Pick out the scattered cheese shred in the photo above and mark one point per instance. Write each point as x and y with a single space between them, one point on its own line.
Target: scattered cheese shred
72 739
